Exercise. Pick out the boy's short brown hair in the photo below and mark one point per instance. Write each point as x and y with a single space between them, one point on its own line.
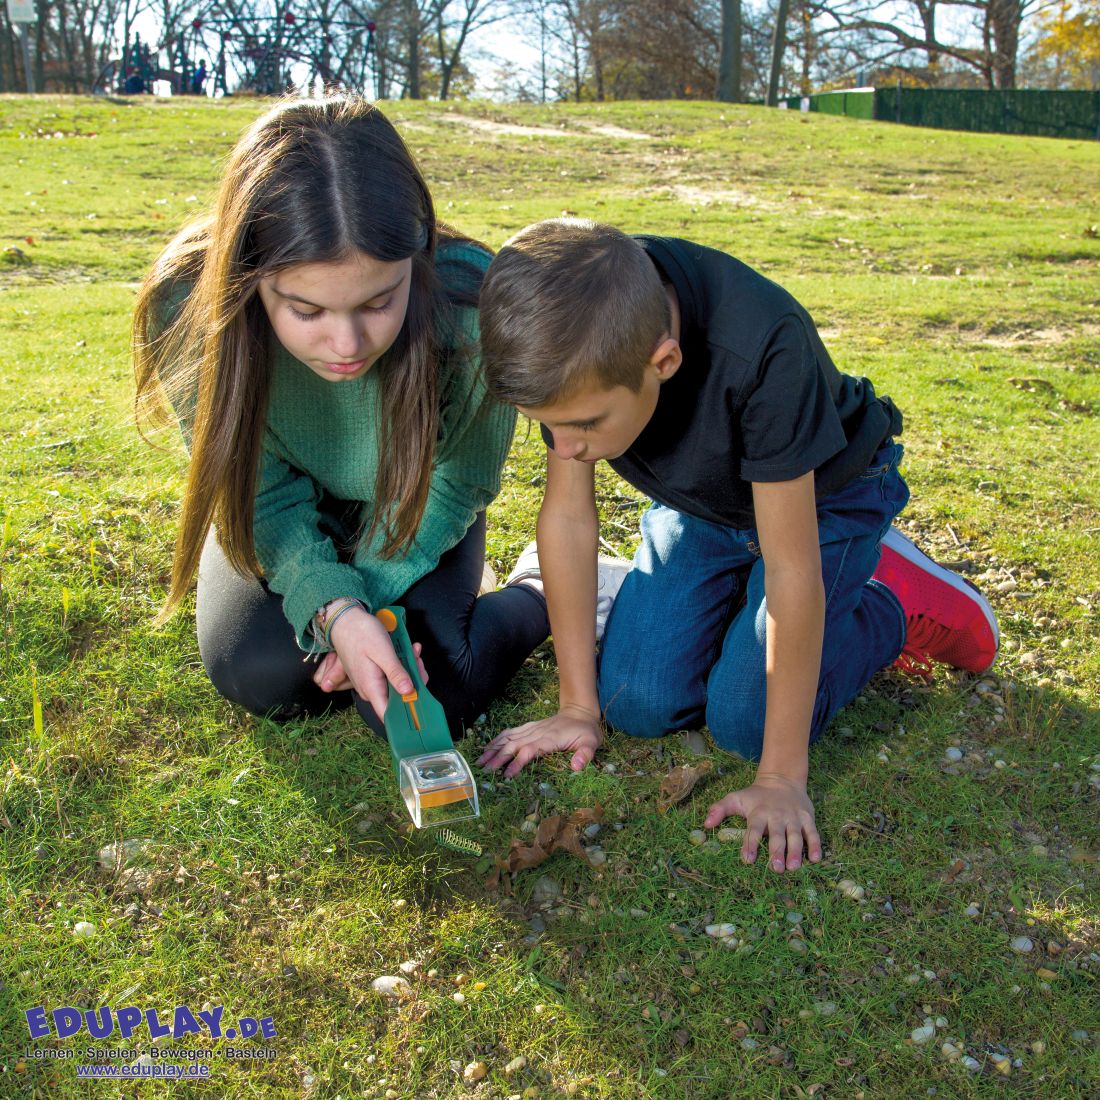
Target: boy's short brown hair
565 303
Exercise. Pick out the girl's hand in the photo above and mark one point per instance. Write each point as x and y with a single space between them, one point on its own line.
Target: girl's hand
363 659
779 808
572 728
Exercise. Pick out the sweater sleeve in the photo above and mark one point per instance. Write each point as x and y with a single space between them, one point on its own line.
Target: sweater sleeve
299 560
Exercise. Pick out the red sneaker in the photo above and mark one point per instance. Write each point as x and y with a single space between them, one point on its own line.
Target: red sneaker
948 619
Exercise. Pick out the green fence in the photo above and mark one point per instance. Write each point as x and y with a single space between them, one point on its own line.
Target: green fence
1016 111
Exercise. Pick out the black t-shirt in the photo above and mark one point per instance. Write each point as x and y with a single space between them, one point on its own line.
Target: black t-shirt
757 397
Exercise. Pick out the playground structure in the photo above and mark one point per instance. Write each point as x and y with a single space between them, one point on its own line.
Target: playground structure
258 54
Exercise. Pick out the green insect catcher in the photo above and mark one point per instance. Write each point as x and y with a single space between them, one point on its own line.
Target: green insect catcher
435 780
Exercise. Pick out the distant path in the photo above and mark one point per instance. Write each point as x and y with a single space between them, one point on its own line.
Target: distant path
590 129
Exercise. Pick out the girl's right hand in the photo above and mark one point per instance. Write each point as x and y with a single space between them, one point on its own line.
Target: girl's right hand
572 729
365 660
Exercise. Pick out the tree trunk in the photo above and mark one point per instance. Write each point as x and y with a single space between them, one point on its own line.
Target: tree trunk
1004 19
928 21
729 65
779 44
805 86
413 85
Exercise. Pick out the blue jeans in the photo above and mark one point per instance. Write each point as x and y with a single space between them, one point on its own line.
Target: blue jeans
685 641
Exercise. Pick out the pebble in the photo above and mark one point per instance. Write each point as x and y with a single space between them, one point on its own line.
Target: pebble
973 909
475 1071
697 837
592 831
749 1043
953 754
941 1021
1079 1035
1002 1064
546 891
120 854
84 929
949 1050
731 836
720 931
458 998
921 1035
1021 945
547 791
1038 1047
514 1066
695 743
798 946
597 857
971 1064
851 889
824 1008
794 917
135 880
391 985
409 966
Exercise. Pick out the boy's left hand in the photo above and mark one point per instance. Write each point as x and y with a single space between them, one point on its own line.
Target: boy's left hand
778 807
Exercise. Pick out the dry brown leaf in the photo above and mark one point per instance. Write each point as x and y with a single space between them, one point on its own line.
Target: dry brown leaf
679 783
555 833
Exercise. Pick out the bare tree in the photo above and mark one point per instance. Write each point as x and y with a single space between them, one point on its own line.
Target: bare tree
909 28
453 23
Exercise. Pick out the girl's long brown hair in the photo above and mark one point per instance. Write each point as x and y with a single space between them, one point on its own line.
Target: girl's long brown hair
312 181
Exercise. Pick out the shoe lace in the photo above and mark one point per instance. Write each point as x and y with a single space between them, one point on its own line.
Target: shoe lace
923 636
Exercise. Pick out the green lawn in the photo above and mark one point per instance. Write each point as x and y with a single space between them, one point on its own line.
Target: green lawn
961 272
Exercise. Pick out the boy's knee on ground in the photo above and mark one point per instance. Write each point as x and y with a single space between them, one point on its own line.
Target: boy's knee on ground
636 709
737 728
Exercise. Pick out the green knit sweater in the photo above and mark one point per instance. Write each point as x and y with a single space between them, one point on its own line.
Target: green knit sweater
320 439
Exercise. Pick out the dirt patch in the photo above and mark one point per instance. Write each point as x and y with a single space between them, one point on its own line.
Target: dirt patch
1039 336
509 129
616 132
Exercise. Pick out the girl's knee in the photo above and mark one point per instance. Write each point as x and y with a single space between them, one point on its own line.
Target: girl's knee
252 683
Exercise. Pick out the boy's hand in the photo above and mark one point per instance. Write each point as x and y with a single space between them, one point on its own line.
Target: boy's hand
776 806
571 728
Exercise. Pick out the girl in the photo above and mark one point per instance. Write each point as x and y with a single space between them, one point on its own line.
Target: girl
316 335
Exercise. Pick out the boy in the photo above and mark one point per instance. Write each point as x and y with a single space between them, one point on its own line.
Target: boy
763 596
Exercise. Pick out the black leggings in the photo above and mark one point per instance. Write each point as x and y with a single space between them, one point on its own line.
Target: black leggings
472 646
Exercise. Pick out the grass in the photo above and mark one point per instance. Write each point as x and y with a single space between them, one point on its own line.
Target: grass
958 271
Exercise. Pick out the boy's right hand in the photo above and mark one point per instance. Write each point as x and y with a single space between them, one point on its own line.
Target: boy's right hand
572 728
367 659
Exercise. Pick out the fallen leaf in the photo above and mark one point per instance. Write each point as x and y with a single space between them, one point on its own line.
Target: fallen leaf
679 783
954 870
555 833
